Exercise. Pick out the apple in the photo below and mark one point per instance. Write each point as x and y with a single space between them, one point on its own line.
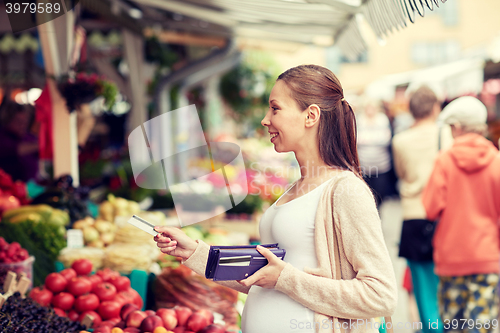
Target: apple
126 309
169 318
180 329
102 329
197 321
183 314
213 328
135 318
208 314
121 324
150 323
115 320
150 312
108 323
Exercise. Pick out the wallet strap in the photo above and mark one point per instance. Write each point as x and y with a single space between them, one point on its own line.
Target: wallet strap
338 276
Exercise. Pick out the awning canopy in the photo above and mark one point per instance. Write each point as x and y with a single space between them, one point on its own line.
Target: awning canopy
323 22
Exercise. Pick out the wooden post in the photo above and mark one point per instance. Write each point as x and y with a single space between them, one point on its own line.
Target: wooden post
134 46
56 38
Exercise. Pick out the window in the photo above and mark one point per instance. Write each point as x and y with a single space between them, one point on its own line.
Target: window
433 53
335 58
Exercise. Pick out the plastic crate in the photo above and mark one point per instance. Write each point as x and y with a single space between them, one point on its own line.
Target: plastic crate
25 266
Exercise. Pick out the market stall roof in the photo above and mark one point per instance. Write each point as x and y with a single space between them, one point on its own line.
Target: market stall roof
323 22
448 80
306 21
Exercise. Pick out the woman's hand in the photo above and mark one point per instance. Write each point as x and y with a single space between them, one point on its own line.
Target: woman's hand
267 276
174 242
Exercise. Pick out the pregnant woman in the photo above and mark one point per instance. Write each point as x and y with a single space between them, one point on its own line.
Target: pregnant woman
328 212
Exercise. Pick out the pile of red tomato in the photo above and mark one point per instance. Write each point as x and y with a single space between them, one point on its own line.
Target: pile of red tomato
74 293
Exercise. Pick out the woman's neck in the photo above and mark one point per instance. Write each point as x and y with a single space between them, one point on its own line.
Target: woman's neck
312 166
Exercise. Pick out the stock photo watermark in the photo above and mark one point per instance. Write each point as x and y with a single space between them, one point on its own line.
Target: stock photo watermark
453 324
27 14
165 153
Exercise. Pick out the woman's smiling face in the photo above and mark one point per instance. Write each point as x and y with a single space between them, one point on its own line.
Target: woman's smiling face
284 120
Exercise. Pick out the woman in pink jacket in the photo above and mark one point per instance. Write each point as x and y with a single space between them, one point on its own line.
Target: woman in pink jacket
308 115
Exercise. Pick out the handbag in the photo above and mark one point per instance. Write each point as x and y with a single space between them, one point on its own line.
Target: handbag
237 262
416 239
338 276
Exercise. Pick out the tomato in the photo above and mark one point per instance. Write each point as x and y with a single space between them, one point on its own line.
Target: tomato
107 274
79 286
109 309
96 319
133 297
41 296
95 280
86 303
120 299
82 266
68 273
63 301
60 312
105 291
55 282
121 283
73 315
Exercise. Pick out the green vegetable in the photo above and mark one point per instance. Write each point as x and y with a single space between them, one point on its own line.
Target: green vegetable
42 240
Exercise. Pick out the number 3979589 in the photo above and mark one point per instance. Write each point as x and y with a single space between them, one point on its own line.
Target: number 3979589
32 7
460 324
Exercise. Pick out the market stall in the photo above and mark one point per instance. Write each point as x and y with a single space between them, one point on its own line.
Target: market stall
66 243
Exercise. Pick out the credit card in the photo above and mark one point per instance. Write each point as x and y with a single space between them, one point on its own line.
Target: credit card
142 224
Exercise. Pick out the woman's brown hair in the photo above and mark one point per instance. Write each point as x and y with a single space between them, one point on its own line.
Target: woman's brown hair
311 84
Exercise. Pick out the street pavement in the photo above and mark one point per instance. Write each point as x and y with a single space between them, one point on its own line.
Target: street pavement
391 216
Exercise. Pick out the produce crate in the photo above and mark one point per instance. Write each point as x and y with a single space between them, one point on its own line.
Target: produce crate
25 267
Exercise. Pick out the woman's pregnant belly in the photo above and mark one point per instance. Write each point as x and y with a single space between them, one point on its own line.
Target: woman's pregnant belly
271 311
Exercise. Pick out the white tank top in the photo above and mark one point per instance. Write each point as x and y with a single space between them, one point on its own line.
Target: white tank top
292 226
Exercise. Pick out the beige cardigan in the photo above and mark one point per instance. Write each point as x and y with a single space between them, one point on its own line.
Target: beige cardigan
368 286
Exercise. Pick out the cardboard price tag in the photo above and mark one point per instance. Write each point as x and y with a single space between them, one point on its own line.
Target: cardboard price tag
75 239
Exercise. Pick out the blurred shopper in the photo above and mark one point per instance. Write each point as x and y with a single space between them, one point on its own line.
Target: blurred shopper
374 139
464 193
415 151
18 147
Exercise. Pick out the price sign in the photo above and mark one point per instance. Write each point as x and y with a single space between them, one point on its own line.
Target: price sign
75 239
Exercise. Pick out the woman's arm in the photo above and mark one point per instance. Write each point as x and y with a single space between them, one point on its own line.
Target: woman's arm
373 291
198 263
194 254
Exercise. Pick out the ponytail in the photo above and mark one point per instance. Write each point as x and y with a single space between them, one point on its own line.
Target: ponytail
337 138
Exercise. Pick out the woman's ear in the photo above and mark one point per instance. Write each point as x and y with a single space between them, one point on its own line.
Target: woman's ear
313 113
